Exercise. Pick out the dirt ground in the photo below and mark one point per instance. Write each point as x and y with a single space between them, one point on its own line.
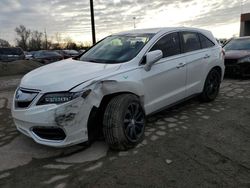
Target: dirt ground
19 67
192 145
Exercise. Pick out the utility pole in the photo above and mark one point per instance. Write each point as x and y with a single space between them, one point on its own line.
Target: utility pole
92 21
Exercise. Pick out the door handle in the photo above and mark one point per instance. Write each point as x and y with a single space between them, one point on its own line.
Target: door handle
180 65
206 56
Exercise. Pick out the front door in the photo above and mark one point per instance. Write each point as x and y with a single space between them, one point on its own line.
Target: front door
165 83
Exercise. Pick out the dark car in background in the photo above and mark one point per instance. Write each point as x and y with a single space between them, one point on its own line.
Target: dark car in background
68 53
45 57
81 52
11 54
237 58
28 55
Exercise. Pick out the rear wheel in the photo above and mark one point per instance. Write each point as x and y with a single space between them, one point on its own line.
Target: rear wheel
212 86
123 122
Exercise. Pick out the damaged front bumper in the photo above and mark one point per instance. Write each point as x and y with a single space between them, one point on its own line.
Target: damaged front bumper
54 125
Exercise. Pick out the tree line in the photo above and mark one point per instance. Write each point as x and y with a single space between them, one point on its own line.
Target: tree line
32 40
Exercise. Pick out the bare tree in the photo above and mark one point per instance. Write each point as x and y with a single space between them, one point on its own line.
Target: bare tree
84 45
35 42
4 43
57 45
24 35
58 38
69 44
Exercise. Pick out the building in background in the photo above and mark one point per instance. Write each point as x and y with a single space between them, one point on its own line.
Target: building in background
245 25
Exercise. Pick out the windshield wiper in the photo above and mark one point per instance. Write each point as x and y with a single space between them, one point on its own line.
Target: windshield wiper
90 60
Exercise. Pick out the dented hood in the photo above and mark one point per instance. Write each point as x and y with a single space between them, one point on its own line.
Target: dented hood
64 75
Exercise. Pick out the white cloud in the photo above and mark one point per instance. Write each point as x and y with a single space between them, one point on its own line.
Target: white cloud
72 18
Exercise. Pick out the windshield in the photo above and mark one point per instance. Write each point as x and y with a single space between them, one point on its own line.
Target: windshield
116 49
238 44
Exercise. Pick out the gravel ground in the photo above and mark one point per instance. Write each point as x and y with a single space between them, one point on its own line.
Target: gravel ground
191 145
9 82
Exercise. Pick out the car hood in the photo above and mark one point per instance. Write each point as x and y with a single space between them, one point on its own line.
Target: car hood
237 54
64 75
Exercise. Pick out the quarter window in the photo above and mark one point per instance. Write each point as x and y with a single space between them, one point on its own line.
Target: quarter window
205 42
169 45
191 41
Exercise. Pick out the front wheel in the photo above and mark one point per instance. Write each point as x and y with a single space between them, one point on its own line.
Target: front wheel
211 87
123 122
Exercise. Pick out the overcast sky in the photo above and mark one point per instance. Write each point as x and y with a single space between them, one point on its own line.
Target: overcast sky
72 17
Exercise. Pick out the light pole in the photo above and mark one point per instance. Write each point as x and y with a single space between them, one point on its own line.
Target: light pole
134 18
46 40
92 21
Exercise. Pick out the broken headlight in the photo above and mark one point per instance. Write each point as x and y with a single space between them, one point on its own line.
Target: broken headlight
61 97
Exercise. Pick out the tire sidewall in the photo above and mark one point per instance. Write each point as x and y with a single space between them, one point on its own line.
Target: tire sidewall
113 122
205 95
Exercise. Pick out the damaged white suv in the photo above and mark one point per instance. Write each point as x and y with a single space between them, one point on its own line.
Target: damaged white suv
110 89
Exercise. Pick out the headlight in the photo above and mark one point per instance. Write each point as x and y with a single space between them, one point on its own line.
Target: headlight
62 97
245 60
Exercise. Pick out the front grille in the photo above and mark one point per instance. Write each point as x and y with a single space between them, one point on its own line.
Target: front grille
49 133
24 97
230 61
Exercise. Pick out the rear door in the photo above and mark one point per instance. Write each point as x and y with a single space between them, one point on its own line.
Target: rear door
164 84
196 61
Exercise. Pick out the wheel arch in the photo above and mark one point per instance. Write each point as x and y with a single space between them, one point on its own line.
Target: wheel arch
94 124
203 95
219 69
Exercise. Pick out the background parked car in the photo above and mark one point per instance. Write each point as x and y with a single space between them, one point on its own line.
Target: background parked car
81 52
11 54
237 59
46 57
68 53
28 55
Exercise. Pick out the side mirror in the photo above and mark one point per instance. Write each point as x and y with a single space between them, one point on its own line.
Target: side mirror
151 58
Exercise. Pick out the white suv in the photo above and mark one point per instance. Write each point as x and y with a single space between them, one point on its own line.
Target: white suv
112 87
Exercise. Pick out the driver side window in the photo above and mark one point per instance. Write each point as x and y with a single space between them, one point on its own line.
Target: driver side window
169 45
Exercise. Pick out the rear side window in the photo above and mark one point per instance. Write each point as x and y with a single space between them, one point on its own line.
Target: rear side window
191 41
205 42
169 45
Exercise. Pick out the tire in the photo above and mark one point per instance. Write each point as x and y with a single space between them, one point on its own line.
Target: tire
211 87
123 122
